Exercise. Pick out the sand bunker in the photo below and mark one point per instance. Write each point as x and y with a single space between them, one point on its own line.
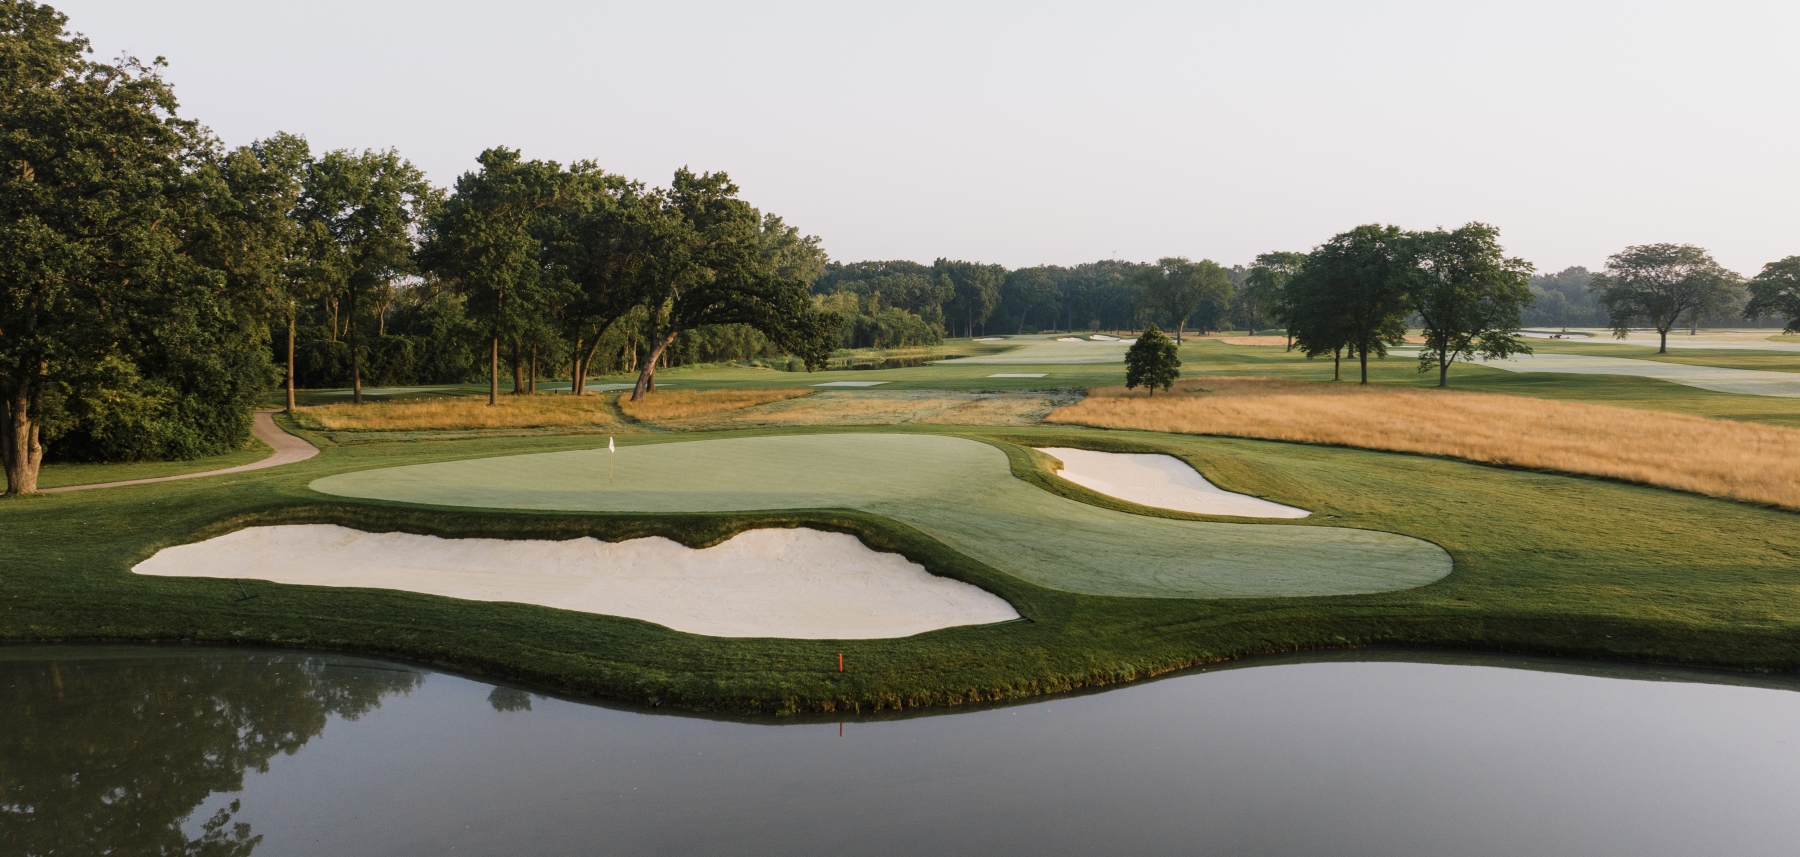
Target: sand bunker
797 583
1163 481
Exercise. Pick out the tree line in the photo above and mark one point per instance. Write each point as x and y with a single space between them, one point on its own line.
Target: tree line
158 283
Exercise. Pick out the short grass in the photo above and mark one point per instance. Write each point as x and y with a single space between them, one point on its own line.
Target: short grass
959 491
1740 461
1721 358
1546 564
58 475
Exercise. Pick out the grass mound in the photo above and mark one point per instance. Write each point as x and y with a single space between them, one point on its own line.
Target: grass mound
1735 460
687 404
461 414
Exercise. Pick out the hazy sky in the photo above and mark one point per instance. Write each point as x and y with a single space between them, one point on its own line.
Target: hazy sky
1059 133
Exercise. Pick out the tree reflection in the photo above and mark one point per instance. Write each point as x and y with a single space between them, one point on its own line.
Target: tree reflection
110 754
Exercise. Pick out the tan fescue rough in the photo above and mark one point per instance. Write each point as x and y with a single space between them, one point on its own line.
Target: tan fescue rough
462 413
687 404
1740 461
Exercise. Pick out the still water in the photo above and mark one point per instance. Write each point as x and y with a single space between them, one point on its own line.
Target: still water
131 751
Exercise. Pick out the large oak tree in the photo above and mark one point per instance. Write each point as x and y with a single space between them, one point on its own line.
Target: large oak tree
1776 291
707 267
1663 285
1353 293
115 336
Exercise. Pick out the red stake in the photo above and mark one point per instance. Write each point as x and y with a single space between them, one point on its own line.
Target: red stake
840 661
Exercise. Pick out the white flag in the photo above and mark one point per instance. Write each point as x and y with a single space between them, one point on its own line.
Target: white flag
609 444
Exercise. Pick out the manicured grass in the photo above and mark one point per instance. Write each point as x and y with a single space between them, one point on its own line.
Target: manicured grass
56 475
1544 563
1722 358
959 491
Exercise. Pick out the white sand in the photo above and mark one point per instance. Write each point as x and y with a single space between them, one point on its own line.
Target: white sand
797 583
990 339
1070 339
1163 481
1101 337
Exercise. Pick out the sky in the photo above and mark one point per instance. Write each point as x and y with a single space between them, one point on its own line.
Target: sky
1052 133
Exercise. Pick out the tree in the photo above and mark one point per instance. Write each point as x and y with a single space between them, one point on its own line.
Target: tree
114 336
1776 291
1265 287
259 243
1470 296
596 240
1179 288
487 240
974 289
706 267
1660 285
1153 361
1353 293
363 210
1030 290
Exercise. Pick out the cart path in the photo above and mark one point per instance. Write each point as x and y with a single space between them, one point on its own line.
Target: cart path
288 449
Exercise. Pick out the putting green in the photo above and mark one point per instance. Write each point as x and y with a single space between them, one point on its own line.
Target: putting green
960 491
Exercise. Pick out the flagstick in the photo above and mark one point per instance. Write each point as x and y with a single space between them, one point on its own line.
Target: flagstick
609 459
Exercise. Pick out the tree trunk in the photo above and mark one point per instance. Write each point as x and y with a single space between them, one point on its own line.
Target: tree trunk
1443 369
494 372
1664 333
1179 327
587 362
1362 355
1337 364
334 320
646 382
355 356
518 369
290 360
575 373
531 381
22 451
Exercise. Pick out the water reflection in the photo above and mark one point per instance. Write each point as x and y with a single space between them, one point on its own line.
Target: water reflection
199 752
110 751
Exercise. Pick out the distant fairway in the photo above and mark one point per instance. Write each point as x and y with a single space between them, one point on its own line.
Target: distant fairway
959 491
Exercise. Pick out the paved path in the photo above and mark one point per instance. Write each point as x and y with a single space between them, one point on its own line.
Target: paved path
1751 382
288 449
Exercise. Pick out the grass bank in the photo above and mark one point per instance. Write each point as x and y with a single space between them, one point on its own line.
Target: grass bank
1545 564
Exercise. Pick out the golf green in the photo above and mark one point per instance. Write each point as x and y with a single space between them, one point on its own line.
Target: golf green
959 491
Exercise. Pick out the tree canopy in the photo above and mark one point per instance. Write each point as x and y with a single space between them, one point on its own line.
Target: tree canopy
1469 296
1776 291
1178 288
1152 361
1353 293
120 333
1663 285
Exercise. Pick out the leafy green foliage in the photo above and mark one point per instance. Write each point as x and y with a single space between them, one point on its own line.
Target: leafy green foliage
1178 289
1663 285
1563 299
1469 295
1152 361
360 211
1353 293
1264 294
1776 291
126 330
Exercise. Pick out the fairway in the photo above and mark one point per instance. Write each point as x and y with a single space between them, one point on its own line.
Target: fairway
960 491
1749 382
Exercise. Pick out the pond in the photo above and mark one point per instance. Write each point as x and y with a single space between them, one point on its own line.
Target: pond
139 750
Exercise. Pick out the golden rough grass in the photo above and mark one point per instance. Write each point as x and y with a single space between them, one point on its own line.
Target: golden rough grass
892 407
688 404
462 413
1742 461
